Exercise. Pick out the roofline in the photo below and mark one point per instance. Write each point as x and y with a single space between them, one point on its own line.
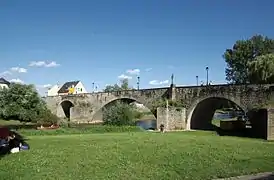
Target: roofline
77 82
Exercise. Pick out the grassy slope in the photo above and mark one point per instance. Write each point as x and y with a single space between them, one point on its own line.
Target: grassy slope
188 155
11 122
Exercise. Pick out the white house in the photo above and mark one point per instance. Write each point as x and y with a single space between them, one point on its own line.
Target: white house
73 87
53 91
4 83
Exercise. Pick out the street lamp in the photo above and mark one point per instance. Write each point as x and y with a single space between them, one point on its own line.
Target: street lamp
207 75
138 82
197 80
93 86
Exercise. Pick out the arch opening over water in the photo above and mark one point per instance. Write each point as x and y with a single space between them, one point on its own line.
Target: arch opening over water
145 118
66 107
203 116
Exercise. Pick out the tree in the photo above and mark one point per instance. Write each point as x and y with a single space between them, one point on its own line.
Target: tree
110 88
116 87
262 69
242 54
23 103
125 84
119 114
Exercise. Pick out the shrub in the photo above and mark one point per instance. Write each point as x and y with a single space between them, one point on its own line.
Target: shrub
119 114
22 102
46 117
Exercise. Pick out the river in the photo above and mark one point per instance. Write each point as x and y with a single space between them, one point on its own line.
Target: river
148 124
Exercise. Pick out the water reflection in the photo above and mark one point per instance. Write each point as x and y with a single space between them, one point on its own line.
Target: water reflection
148 124
228 115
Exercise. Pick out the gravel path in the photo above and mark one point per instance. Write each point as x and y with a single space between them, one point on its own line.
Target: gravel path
260 176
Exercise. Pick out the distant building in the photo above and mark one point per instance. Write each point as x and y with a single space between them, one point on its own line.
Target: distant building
53 91
73 87
4 83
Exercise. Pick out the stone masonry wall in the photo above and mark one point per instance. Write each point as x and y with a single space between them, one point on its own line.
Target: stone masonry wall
270 124
173 119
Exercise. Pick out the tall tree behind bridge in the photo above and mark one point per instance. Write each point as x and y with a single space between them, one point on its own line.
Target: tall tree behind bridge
240 59
262 69
116 87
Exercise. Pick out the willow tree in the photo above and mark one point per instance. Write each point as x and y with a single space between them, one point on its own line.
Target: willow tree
262 69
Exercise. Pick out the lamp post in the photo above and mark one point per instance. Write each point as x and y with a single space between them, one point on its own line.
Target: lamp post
197 80
93 86
207 75
138 82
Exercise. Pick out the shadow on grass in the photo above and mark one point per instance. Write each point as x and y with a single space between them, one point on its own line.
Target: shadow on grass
244 132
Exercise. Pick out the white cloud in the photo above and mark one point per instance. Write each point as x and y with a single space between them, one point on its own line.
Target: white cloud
133 71
43 64
37 63
148 69
52 64
44 86
47 85
17 81
5 73
122 76
157 82
18 69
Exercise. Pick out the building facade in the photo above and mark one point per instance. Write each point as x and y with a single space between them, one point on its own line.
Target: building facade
4 83
72 87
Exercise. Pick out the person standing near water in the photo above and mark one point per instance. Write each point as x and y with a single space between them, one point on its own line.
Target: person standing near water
162 128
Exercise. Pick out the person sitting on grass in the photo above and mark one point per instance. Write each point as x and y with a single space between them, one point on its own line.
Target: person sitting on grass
11 142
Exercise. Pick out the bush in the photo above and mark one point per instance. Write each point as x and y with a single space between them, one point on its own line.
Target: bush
119 114
23 103
45 117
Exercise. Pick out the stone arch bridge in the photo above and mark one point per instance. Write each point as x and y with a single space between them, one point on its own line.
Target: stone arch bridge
200 102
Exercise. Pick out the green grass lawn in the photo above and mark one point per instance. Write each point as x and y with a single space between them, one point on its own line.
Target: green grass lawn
138 155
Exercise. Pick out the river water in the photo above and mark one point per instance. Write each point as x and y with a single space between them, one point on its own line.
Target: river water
152 124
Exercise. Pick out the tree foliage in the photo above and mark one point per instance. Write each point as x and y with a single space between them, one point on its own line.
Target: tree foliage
124 86
22 102
262 69
242 54
119 114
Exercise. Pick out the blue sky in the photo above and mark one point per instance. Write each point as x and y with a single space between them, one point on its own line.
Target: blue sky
45 42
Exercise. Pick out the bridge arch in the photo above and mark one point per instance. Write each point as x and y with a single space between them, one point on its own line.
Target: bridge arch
99 113
64 108
202 110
